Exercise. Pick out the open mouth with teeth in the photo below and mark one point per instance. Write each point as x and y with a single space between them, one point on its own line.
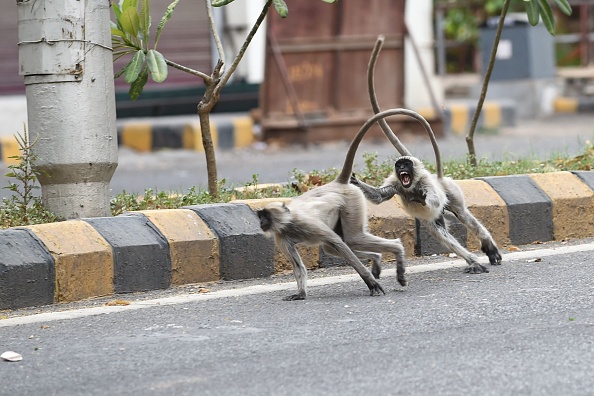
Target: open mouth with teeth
405 178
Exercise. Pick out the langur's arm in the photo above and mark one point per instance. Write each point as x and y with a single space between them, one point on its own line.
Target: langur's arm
373 194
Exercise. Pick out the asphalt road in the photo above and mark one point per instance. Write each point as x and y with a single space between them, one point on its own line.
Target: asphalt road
178 170
525 328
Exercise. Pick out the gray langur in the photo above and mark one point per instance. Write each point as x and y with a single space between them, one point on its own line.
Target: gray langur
334 216
426 196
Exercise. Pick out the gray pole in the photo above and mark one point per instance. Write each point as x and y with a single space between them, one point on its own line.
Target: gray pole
65 57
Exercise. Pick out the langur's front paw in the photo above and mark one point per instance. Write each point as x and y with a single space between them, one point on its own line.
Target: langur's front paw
493 253
476 268
494 257
295 297
375 289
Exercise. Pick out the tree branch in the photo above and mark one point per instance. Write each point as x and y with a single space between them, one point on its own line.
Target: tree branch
244 47
479 105
215 34
205 77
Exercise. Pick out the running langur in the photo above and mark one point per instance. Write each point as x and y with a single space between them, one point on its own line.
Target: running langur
426 196
334 216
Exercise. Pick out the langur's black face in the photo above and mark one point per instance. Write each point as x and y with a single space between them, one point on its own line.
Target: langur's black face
264 217
404 171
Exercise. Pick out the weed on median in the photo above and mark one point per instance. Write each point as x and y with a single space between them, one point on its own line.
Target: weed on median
22 208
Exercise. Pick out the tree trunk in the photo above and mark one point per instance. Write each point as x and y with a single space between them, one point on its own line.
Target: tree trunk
209 152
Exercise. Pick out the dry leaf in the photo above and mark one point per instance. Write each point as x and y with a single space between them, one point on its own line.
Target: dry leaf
117 302
203 290
513 249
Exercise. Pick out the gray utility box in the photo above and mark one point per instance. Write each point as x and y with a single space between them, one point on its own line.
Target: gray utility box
524 51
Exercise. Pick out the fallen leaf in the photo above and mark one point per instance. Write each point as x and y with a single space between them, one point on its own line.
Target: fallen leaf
117 302
44 327
203 290
11 356
513 248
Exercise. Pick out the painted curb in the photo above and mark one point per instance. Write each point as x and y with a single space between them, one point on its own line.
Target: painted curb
494 115
145 136
9 147
573 105
78 259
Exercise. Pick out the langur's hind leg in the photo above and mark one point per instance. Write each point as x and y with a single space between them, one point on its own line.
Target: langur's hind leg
371 243
376 261
438 229
375 258
488 245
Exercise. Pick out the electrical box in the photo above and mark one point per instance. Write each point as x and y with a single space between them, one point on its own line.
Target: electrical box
524 51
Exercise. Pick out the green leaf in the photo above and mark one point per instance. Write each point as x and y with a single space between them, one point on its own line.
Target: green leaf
125 4
532 11
130 21
122 71
168 13
145 21
117 32
546 13
117 10
564 6
157 66
281 7
137 86
134 68
220 3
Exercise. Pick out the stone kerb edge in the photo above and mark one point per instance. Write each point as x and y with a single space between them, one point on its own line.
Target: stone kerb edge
79 258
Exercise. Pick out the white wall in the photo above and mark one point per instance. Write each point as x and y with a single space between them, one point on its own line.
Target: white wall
420 24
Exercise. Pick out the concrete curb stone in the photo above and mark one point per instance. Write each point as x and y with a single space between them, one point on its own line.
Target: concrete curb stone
141 252
78 259
529 208
574 105
27 270
244 250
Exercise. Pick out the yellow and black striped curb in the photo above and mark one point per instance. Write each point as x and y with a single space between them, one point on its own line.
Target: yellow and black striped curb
157 249
9 148
574 105
458 116
235 132
239 131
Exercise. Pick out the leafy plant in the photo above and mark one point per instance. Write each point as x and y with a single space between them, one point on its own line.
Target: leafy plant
23 207
131 33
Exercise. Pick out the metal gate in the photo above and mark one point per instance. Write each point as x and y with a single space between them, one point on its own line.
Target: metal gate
315 85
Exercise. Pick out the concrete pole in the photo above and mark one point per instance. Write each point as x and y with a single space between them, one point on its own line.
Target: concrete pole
65 57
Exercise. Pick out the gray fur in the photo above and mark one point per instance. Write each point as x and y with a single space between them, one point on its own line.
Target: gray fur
313 217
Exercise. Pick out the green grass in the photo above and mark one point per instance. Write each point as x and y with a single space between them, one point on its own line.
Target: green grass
14 213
